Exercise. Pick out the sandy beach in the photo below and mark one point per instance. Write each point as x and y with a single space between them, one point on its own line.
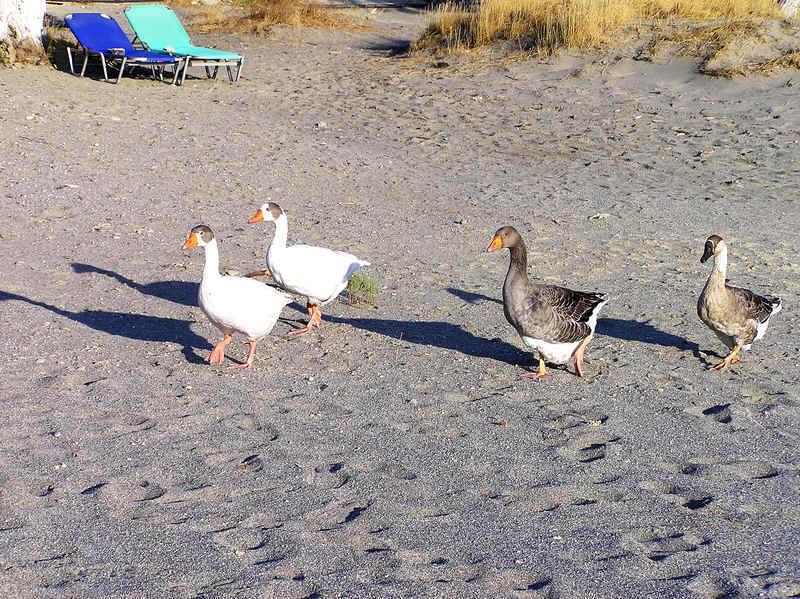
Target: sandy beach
395 451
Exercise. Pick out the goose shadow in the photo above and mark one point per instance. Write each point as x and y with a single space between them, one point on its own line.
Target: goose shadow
644 332
133 326
445 335
180 292
472 298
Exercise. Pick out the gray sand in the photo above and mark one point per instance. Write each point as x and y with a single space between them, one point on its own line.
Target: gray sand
395 452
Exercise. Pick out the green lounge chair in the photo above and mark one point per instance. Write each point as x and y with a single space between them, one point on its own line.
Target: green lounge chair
159 28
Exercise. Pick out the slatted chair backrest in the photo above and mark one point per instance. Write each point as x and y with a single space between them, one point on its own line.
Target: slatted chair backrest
98 32
158 27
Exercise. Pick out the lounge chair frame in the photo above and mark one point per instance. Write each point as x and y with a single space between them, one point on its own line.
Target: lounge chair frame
123 61
119 57
216 63
144 20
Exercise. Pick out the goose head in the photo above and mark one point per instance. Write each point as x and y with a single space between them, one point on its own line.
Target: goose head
201 235
714 246
505 237
269 212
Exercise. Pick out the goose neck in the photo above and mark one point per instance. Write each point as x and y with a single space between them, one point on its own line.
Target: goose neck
519 259
720 271
281 234
211 267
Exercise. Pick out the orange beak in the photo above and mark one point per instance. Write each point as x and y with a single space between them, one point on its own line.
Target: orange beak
191 242
258 217
496 244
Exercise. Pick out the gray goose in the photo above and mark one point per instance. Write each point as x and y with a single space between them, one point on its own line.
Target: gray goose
556 322
737 316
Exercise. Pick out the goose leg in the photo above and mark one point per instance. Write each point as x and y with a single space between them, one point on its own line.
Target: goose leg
217 355
579 355
316 316
314 319
731 358
259 273
542 372
249 362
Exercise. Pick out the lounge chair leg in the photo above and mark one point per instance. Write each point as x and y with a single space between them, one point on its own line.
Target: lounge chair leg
230 73
105 70
239 70
185 68
176 67
85 61
121 68
69 56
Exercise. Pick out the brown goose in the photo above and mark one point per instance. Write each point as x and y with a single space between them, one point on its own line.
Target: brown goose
736 315
555 321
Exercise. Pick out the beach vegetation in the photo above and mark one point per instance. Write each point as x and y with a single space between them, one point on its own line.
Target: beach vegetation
546 26
362 290
257 16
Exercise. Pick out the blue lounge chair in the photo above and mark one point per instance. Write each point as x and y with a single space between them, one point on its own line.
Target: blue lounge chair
101 35
159 28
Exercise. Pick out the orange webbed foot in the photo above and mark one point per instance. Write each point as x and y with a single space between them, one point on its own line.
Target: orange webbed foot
217 355
245 366
314 320
250 357
721 366
305 329
731 358
534 375
539 374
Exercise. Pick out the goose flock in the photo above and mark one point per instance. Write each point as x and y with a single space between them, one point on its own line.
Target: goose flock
556 322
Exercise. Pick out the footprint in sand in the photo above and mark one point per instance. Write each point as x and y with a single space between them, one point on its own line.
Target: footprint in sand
692 500
657 544
327 475
336 514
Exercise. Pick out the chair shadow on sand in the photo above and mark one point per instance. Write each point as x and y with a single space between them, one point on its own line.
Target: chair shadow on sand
133 326
180 292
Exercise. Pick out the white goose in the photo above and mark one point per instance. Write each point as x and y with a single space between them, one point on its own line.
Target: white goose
234 304
317 273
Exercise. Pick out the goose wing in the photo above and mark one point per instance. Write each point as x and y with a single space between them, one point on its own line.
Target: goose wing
315 272
558 315
577 306
752 306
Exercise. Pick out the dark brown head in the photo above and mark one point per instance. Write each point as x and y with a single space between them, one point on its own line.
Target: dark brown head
201 235
713 245
268 212
505 237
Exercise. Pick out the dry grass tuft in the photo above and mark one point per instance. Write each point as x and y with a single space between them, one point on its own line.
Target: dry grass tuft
545 26
56 40
789 60
25 52
256 16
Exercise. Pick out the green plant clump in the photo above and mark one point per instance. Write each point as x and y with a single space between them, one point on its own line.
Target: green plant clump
362 289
